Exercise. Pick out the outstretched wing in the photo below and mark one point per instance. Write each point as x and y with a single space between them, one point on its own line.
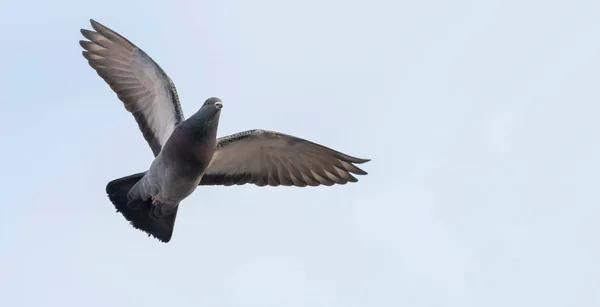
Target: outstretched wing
264 157
145 89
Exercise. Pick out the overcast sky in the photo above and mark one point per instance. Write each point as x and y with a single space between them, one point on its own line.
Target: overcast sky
480 117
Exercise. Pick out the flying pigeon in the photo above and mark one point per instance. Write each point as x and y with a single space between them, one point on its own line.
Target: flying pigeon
187 152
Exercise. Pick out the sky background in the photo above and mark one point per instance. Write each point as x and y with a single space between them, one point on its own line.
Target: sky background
480 117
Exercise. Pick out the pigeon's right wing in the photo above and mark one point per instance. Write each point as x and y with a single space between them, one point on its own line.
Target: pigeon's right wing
271 158
145 89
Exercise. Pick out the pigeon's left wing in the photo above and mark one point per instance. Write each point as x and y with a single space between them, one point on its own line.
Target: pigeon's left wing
264 157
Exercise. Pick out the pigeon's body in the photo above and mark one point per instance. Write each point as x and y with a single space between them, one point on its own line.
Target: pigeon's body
188 152
175 174
177 170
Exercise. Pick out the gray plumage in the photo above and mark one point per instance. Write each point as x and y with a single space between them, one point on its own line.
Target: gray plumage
187 152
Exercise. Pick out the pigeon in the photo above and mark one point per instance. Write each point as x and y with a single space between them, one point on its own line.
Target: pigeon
187 152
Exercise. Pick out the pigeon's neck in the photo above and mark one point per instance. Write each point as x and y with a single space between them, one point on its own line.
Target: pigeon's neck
203 127
194 142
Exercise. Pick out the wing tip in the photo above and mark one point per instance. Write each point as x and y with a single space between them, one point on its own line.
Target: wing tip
355 160
89 34
358 171
85 44
97 26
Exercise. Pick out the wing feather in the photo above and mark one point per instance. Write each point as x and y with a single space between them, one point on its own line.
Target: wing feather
140 83
263 157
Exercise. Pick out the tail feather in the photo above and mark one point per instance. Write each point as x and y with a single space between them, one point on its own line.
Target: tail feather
139 218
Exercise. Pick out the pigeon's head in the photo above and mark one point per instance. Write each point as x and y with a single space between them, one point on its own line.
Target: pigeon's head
211 108
213 103
209 113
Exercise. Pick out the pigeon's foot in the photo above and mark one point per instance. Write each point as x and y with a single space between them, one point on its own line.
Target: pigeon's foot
159 210
156 211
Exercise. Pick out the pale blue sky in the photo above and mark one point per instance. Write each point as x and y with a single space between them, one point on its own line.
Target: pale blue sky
481 118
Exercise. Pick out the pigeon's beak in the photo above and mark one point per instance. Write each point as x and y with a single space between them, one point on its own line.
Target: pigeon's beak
219 105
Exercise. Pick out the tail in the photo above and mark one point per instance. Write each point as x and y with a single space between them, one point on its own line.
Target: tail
160 228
